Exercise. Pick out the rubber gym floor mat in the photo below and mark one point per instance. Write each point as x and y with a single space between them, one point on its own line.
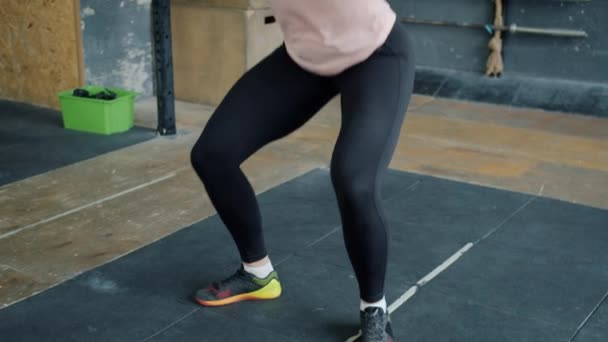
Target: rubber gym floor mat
147 295
538 277
595 329
33 141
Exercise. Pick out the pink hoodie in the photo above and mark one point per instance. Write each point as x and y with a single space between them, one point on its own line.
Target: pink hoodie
328 36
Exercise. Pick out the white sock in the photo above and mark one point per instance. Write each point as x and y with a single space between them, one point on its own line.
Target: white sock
259 271
380 304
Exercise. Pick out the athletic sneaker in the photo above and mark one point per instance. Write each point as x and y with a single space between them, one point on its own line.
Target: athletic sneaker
375 326
239 287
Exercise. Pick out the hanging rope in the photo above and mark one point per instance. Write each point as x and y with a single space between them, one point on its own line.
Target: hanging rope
495 65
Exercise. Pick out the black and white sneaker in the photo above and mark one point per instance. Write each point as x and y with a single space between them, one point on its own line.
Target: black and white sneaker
375 327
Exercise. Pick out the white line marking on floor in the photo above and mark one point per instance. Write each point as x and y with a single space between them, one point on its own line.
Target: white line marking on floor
444 265
323 237
404 298
451 260
582 325
171 325
354 338
88 205
427 278
540 192
498 226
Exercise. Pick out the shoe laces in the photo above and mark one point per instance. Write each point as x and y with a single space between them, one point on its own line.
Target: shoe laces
374 325
237 276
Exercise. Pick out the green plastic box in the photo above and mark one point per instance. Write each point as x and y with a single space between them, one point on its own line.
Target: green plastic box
98 116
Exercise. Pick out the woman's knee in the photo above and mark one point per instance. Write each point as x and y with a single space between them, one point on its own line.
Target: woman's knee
198 156
353 185
209 153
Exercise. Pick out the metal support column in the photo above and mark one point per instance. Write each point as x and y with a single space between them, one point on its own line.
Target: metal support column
161 20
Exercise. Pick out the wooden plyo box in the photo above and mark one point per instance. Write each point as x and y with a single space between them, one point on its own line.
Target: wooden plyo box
215 42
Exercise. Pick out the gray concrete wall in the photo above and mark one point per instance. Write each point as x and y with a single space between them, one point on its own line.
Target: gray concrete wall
449 48
118 48
546 57
577 59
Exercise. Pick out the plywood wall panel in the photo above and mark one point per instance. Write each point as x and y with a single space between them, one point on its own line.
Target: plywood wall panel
40 50
208 50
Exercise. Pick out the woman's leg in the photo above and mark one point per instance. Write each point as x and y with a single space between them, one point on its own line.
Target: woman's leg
270 101
375 96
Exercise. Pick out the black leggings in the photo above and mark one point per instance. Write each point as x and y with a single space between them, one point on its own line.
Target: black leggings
275 98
